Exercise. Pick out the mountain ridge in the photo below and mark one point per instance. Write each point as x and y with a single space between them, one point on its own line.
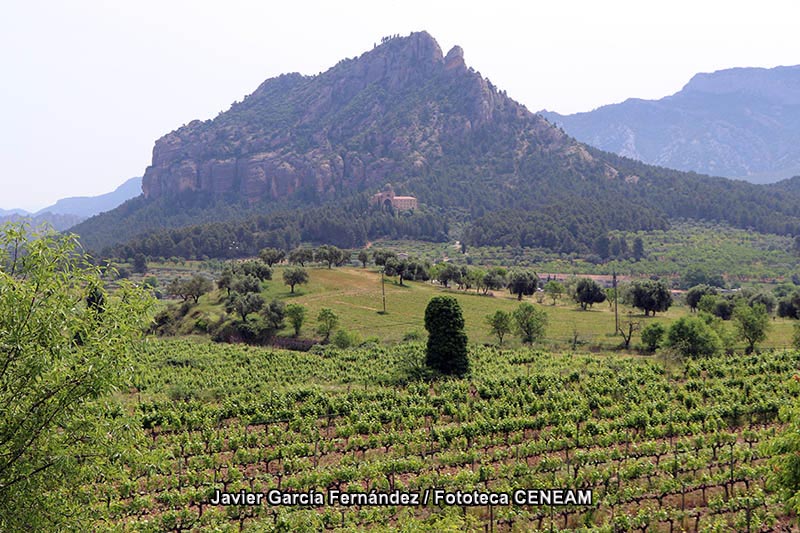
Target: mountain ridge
739 123
311 149
87 206
68 212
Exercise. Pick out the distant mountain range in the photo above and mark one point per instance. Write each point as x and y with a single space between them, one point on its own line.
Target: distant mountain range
67 212
302 154
88 206
739 123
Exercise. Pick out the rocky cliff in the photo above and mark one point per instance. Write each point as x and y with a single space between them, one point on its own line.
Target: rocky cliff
388 115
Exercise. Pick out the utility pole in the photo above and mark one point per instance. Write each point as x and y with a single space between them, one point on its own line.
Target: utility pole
383 289
616 302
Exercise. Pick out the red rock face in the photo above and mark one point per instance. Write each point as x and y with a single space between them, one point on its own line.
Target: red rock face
384 116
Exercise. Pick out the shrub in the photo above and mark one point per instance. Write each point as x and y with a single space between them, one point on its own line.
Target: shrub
652 335
692 337
345 339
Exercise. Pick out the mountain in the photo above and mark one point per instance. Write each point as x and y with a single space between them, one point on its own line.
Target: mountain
58 222
10 212
87 206
68 212
300 156
740 123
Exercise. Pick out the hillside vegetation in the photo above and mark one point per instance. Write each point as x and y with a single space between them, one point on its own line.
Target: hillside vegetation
405 113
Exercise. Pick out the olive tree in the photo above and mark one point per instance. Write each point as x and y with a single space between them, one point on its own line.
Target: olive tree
588 292
295 276
523 282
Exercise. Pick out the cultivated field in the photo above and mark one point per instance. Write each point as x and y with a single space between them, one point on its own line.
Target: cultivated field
675 447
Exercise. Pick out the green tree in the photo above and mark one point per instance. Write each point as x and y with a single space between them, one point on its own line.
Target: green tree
296 314
330 255
752 324
177 287
694 295
796 336
417 270
716 305
274 313
363 257
379 257
301 256
257 269
244 303
295 276
499 324
554 290
652 335
62 346
327 320
140 263
767 299
395 267
601 246
692 337
638 249
523 283
271 256
197 286
225 279
446 273
530 322
494 280
789 305
447 343
651 296
588 292
698 276
246 284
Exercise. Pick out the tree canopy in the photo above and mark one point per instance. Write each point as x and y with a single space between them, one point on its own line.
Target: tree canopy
64 342
523 282
588 292
650 296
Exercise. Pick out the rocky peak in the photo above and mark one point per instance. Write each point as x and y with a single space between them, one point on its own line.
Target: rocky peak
455 59
387 114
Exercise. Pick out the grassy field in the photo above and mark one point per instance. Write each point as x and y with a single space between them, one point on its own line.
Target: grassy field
355 295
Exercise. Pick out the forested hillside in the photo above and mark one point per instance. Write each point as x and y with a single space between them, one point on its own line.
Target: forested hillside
312 148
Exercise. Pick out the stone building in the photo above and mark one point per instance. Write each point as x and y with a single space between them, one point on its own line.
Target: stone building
387 198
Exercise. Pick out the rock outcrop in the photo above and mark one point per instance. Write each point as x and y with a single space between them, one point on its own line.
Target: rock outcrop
385 116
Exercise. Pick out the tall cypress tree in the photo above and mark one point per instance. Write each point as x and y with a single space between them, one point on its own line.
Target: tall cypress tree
447 342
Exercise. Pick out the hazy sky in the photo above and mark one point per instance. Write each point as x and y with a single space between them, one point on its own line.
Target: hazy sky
89 85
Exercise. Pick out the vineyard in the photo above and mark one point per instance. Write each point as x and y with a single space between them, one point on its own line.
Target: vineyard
664 446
